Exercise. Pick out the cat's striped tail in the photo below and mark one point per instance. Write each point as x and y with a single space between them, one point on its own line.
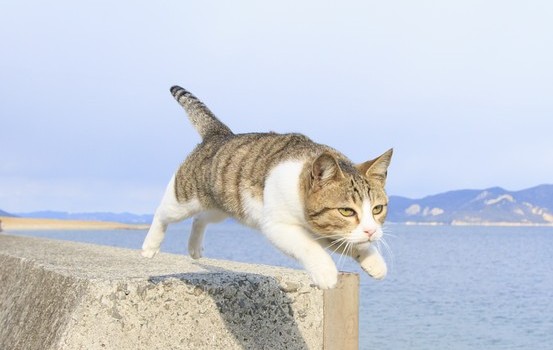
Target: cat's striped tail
205 122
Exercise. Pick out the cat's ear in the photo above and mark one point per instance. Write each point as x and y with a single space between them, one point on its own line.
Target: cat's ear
377 169
325 168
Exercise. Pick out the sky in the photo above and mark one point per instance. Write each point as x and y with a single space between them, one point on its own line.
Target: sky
462 90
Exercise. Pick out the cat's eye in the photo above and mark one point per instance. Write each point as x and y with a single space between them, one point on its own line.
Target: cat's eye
378 209
347 212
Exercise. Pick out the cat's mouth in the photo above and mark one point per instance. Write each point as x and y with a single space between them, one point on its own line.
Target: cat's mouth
360 241
363 237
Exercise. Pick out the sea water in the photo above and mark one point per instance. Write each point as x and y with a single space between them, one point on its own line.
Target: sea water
447 287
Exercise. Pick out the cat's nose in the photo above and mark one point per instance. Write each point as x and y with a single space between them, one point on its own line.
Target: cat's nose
369 231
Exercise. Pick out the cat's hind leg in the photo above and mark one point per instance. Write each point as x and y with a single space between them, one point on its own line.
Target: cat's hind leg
195 247
169 211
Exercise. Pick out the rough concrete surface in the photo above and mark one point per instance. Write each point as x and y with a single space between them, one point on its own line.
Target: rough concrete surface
65 295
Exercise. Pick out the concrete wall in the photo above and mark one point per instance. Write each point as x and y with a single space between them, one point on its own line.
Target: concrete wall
64 295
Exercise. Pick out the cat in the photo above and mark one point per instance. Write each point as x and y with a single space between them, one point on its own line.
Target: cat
303 196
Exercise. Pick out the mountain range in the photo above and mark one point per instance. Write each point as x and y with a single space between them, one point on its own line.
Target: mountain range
492 206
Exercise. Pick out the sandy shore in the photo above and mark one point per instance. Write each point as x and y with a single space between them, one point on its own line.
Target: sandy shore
13 224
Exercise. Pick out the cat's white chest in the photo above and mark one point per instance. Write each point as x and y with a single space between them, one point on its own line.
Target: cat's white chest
282 200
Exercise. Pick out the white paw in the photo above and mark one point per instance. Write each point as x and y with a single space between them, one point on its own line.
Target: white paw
325 277
149 252
375 266
195 252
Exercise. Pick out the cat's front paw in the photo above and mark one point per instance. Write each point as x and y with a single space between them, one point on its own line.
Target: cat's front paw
375 266
325 277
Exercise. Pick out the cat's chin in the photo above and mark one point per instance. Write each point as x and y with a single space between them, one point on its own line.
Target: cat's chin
364 245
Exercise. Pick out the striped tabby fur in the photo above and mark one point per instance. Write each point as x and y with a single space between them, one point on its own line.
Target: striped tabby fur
302 195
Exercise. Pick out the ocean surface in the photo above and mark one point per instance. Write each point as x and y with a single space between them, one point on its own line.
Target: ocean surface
447 287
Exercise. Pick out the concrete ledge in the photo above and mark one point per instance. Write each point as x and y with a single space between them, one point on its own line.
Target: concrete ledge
65 295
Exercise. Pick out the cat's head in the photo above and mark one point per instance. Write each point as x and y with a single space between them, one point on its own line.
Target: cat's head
346 201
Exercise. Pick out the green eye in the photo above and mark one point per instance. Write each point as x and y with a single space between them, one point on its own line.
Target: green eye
378 209
347 212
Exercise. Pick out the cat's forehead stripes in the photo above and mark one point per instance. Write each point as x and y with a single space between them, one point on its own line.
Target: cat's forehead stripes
359 189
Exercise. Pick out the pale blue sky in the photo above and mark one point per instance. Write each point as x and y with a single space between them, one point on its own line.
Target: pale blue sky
461 89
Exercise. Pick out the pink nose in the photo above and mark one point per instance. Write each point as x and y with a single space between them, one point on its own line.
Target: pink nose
369 231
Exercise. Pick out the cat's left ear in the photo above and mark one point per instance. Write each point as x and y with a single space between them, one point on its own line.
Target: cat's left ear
325 169
377 169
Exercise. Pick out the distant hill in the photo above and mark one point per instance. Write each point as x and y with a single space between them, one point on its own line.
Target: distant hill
4 213
126 218
478 207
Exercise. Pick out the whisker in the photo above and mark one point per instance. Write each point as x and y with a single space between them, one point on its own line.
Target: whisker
350 250
387 246
389 251
342 241
386 232
337 243
342 255
343 252
317 238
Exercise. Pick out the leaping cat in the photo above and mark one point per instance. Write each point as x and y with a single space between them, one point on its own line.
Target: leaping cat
303 196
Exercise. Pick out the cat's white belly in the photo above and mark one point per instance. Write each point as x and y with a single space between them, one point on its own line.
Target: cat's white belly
253 210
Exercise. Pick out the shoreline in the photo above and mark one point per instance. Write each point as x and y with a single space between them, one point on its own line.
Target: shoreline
462 223
22 224
8 223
